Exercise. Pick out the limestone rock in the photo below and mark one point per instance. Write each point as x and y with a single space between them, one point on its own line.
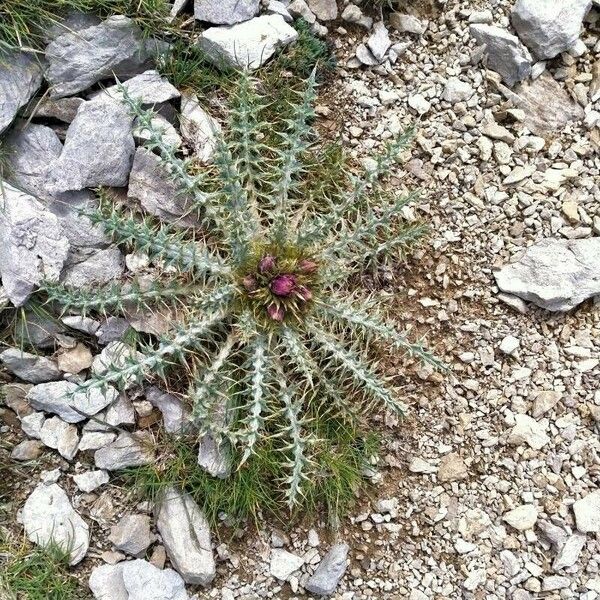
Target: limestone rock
505 53
407 23
132 534
198 128
522 518
78 59
34 245
528 431
75 359
136 580
452 468
283 563
128 450
548 27
587 513
116 355
214 456
457 90
544 401
150 185
149 88
186 536
175 415
63 109
59 435
96 268
20 78
554 274
98 149
90 480
27 450
247 45
29 367
331 569
225 12
49 517
63 399
325 10
379 41
569 553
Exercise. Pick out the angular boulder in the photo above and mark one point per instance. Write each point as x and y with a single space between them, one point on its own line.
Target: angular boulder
225 12
549 27
34 245
136 580
247 45
98 150
186 536
128 450
78 59
149 88
20 78
554 274
505 53
49 517
132 534
62 398
174 412
59 435
30 367
331 569
150 185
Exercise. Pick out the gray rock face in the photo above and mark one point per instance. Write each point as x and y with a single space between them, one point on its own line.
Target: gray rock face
505 53
148 87
136 580
90 480
98 149
78 59
548 27
149 184
98 268
48 516
226 12
554 274
63 109
175 415
247 45
59 435
34 245
325 10
198 128
547 104
186 537
132 534
214 456
20 78
29 367
63 399
31 151
128 450
331 569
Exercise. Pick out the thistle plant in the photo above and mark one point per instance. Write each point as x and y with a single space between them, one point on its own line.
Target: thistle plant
275 345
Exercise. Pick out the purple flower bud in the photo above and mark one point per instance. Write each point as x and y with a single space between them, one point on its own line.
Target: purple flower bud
307 266
304 293
266 264
276 312
250 283
283 285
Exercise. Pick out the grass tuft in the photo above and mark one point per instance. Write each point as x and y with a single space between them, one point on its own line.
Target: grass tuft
40 573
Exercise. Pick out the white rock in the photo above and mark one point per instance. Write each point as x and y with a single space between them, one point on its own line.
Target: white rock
544 401
198 128
419 103
186 536
247 45
132 534
554 274
93 440
149 88
547 27
61 436
116 355
32 424
457 90
90 480
49 517
34 244
522 518
379 41
568 555
509 344
175 414
528 431
408 23
128 450
225 12
587 513
284 563
63 399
